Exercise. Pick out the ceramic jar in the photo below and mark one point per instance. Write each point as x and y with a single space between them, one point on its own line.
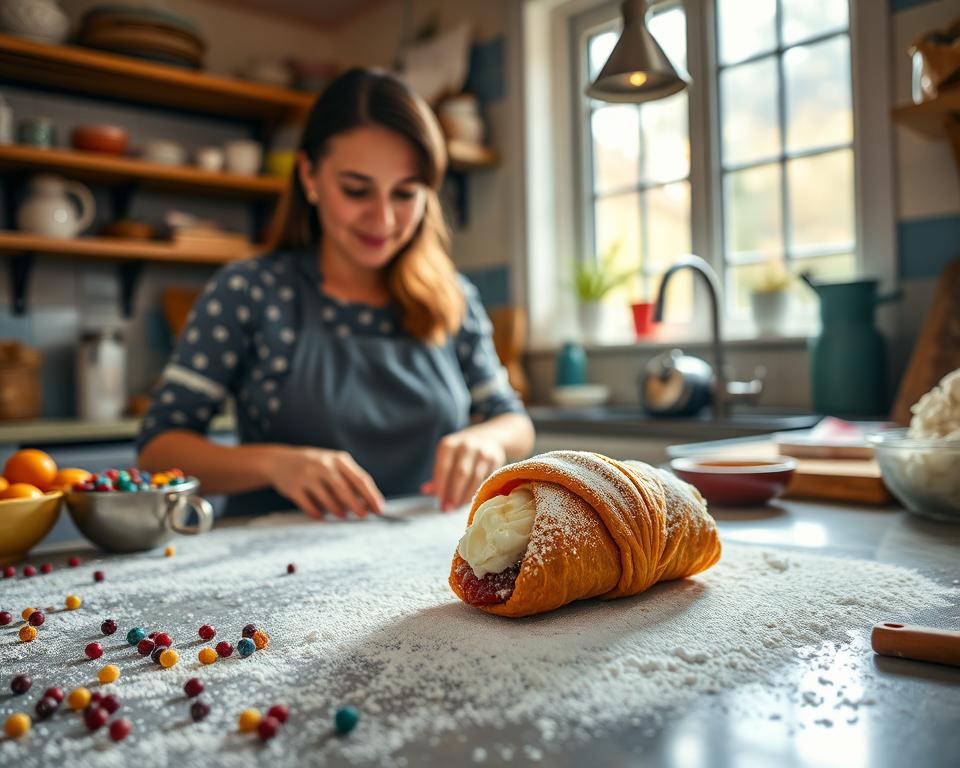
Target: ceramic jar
48 209
41 20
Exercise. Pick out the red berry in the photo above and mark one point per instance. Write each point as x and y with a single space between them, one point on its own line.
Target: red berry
9 572
46 568
279 711
199 710
54 693
110 703
268 728
93 651
29 570
291 568
163 639
120 729
36 618
46 707
249 630
94 699
145 647
5 618
224 649
73 562
98 576
21 684
207 632
108 627
95 717
193 687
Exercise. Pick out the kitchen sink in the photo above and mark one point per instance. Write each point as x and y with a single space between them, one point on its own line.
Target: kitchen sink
634 421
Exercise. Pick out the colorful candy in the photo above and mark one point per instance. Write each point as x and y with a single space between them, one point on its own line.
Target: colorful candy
110 703
78 699
168 658
46 568
29 570
25 613
346 719
248 721
260 639
267 728
109 674
169 551
95 718
93 650
55 693
98 576
199 710
17 725
224 649
157 653
72 602
36 618
108 627
120 729
27 634
291 568
5 618
246 647
145 647
163 639
279 711
193 687
21 684
249 630
135 635
207 632
9 572
46 707
207 656
73 562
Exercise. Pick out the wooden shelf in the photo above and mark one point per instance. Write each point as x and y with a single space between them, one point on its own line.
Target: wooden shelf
930 118
115 171
116 249
72 69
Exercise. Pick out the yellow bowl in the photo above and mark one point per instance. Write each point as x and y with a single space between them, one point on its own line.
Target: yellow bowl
24 523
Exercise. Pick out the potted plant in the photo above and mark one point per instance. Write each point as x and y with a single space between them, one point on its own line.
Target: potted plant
593 279
769 299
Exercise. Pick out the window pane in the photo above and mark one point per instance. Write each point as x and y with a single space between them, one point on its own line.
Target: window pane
753 213
745 28
741 281
803 19
617 220
668 222
616 147
669 28
600 47
666 142
821 202
748 105
818 88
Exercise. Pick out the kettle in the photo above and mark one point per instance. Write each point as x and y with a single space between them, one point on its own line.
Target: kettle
49 211
675 384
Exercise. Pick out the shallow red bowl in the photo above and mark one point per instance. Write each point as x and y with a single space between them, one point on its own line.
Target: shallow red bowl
108 139
735 482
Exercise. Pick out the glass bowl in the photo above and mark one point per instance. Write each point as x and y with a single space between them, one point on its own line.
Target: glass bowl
923 473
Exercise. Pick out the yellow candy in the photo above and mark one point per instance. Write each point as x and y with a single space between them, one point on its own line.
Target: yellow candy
169 551
28 634
249 720
168 658
17 725
161 478
261 639
78 699
207 656
109 674
26 613
72 602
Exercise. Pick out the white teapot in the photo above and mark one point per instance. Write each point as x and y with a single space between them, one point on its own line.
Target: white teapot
49 211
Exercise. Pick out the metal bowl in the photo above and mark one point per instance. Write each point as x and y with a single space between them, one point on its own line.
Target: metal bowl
120 521
923 474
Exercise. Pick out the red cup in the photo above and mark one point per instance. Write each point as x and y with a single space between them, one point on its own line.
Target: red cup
642 319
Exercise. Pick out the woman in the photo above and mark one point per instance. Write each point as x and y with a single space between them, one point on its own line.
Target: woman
361 362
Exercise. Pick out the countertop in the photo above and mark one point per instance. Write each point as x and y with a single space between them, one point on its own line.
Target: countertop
48 431
905 712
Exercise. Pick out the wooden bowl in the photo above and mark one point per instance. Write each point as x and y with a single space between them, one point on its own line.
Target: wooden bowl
736 482
108 139
127 229
24 523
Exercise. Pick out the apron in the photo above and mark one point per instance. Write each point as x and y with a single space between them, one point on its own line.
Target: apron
386 401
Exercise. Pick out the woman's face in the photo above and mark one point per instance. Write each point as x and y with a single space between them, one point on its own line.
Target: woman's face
367 193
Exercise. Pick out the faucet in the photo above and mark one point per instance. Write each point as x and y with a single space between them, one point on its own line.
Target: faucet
724 392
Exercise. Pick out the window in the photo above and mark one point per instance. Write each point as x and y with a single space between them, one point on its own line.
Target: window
778 186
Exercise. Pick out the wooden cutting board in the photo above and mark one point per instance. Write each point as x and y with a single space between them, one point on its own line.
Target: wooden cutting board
849 480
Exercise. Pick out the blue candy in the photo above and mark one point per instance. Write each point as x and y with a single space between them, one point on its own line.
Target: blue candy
126 485
346 719
135 635
246 647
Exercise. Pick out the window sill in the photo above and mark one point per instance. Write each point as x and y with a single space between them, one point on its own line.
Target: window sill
793 341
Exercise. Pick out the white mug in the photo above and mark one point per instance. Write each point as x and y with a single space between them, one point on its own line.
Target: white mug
244 156
209 158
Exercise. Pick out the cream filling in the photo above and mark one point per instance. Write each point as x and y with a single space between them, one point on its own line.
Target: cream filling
500 532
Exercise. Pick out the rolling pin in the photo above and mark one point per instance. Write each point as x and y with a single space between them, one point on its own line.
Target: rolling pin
920 643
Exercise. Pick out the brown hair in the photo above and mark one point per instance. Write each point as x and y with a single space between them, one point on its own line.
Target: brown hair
420 277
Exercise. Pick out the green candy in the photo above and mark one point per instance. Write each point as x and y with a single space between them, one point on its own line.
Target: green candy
346 719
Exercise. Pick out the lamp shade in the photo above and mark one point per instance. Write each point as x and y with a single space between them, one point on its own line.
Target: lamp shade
638 70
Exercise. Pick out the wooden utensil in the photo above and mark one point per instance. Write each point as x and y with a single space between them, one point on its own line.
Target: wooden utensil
937 351
909 641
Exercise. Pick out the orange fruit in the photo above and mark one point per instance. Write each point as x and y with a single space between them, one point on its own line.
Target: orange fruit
32 467
21 491
65 478
4 484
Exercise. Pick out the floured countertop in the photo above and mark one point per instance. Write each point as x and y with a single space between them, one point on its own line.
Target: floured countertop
771 641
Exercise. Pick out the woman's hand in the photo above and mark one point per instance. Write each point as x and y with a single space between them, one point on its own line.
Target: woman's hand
318 480
464 460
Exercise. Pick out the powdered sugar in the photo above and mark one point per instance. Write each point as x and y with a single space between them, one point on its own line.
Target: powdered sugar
368 620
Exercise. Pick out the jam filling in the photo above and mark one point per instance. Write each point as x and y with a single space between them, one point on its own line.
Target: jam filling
491 589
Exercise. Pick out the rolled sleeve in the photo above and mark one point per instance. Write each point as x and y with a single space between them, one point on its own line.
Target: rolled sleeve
208 360
484 375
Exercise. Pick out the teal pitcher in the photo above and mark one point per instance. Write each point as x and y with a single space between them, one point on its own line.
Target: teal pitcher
848 358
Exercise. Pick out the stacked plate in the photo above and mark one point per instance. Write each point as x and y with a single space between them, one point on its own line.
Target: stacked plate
144 33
